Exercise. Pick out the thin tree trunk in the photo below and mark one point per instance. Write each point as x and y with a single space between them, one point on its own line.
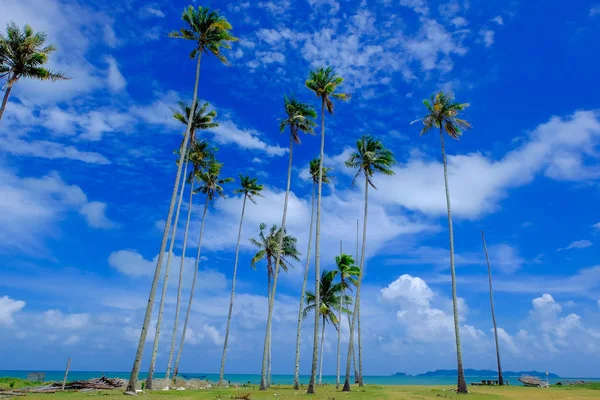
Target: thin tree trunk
500 377
66 374
163 295
297 364
180 285
189 309
269 355
235 264
322 346
313 370
269 286
462 386
355 314
266 351
135 370
358 261
339 336
5 99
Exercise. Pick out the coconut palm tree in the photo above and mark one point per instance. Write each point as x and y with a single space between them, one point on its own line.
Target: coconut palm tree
487 258
210 32
323 82
370 157
442 113
211 186
201 156
249 189
314 173
268 249
331 298
23 54
201 120
300 118
348 273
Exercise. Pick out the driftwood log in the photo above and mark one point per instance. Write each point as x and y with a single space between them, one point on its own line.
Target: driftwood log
94 384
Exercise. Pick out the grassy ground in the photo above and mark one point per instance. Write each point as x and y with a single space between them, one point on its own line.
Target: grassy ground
329 393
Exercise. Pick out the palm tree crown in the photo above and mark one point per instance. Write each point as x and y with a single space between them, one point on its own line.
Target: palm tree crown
330 299
201 119
23 54
347 270
323 82
201 155
211 184
443 114
249 187
370 156
268 246
208 29
300 117
314 172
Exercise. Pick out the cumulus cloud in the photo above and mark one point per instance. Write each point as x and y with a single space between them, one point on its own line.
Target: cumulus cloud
58 320
8 308
115 79
228 132
487 36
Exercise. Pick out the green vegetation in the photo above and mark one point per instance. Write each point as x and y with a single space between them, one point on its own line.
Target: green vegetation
16 383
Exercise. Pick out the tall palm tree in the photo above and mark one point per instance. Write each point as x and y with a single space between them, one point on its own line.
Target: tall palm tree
323 82
487 258
23 55
442 113
210 32
268 249
314 173
201 156
330 299
348 273
201 120
300 118
370 157
211 186
250 189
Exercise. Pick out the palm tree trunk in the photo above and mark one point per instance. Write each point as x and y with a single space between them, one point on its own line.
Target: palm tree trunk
9 86
135 370
313 370
322 346
189 309
163 295
235 264
297 364
462 386
500 377
266 351
353 352
180 285
339 331
269 286
355 314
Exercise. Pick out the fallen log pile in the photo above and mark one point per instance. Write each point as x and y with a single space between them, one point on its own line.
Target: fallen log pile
102 383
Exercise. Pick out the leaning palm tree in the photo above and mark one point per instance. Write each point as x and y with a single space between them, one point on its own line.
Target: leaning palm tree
250 189
201 120
300 118
314 173
370 157
23 55
201 156
348 273
323 82
331 298
487 258
442 113
210 32
211 186
268 249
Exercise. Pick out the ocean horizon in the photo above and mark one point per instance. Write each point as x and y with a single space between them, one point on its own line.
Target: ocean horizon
282 379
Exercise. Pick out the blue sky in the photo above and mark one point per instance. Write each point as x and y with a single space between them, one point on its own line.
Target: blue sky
86 172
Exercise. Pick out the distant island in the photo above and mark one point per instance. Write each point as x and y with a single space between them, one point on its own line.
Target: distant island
479 372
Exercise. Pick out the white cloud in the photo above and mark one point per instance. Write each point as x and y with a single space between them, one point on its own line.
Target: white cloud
487 35
419 6
594 10
578 244
277 8
8 308
249 139
116 81
596 226
95 215
31 207
459 22
498 19
150 11
507 341
72 339
333 5
110 37
56 319
50 150
238 7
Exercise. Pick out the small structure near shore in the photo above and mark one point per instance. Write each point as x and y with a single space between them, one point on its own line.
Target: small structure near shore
532 381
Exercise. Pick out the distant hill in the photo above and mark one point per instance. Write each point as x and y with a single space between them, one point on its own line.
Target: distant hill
484 372
400 374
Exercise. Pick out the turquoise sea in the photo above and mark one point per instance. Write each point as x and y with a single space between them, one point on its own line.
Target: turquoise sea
277 379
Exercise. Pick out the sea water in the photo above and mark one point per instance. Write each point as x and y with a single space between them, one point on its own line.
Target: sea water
254 379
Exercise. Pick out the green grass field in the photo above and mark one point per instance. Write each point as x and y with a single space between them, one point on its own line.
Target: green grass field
328 392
